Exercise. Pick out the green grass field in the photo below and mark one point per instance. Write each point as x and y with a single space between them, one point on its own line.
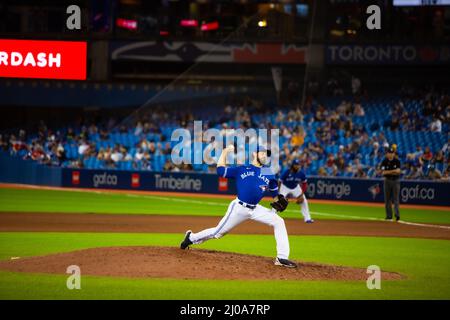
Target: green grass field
425 263
18 200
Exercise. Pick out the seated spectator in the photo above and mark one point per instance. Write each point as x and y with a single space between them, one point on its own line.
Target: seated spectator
433 173
168 165
126 156
438 161
360 173
139 155
322 172
116 155
61 153
426 157
4 145
83 148
298 138
321 113
107 154
78 164
343 108
92 129
446 175
167 149
144 144
436 125
359 110
286 133
70 135
104 135
17 144
280 116
295 115
446 148
428 109
414 173
376 152
395 124
101 154
341 165
138 129
418 153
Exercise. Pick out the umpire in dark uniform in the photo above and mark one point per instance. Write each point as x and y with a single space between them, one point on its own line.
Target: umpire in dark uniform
390 168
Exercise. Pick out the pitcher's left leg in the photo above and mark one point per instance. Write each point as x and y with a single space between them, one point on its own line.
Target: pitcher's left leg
301 200
271 218
305 209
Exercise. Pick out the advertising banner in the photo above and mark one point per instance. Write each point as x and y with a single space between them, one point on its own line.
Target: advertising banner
372 190
178 51
150 181
367 190
387 54
43 59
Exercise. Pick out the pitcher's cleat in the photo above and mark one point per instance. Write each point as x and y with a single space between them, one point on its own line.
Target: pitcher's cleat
186 242
285 263
309 221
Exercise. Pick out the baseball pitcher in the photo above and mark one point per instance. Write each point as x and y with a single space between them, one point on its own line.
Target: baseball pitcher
252 181
290 181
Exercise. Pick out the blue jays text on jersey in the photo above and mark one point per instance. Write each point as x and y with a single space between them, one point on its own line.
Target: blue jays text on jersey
292 179
251 182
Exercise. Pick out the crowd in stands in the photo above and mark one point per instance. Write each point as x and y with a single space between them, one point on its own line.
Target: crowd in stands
329 139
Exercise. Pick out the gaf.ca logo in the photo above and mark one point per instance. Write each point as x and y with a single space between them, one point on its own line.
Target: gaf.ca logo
375 190
104 180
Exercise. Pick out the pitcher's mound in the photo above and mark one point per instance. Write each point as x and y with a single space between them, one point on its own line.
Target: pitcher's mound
169 262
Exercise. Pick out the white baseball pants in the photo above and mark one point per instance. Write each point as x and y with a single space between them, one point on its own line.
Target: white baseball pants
237 214
297 192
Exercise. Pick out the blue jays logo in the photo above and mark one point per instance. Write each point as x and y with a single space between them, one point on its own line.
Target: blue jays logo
374 190
263 188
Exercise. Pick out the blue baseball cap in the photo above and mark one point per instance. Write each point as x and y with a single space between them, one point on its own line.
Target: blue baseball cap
296 162
261 148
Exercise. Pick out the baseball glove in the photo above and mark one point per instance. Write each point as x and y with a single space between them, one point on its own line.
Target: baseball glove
281 203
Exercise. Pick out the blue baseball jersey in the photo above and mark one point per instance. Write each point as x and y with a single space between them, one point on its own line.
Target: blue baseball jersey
251 182
292 179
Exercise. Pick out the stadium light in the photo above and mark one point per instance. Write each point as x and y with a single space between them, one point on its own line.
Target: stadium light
126 24
210 26
189 23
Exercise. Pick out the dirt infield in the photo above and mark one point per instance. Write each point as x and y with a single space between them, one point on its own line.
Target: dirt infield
165 262
59 222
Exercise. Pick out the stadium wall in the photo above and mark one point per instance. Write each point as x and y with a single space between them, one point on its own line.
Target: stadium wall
13 170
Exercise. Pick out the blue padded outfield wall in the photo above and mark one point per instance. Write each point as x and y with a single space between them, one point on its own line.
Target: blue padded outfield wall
14 170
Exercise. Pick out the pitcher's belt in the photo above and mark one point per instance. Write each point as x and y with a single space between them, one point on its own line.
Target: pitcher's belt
247 205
